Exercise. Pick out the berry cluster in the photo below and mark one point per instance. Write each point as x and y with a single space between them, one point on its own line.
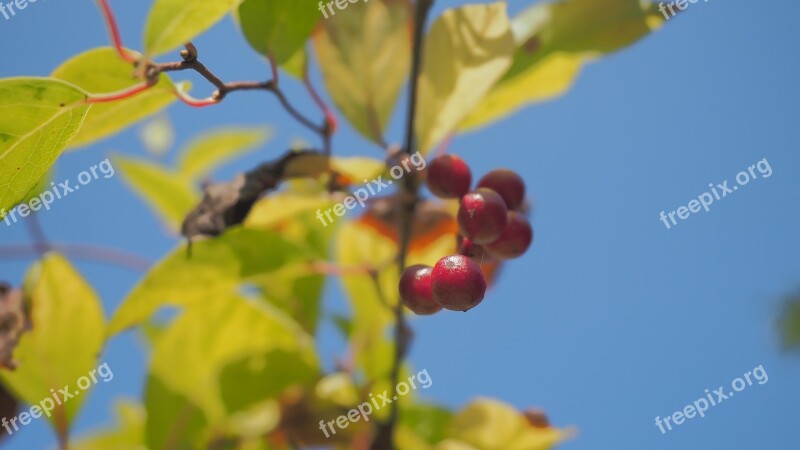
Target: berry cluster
490 223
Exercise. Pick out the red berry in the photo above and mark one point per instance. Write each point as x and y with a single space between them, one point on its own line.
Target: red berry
415 290
508 184
449 176
471 249
515 240
482 216
458 283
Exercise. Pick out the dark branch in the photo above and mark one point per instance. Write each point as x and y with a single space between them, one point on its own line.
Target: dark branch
408 205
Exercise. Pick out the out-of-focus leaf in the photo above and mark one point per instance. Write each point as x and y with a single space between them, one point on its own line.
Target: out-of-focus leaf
277 29
488 424
170 194
214 270
158 136
127 435
364 54
294 288
38 117
339 389
428 422
101 71
65 341
466 51
218 358
554 40
172 23
358 170
209 150
790 324
357 245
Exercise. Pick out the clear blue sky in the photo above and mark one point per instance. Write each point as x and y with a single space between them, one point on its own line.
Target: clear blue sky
612 319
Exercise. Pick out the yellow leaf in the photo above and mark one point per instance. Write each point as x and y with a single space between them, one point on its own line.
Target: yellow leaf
172 23
65 341
364 55
489 424
467 50
554 40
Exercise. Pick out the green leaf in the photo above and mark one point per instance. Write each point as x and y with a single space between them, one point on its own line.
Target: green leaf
170 194
364 54
128 434
466 51
428 422
65 341
172 23
554 41
215 270
226 356
38 117
277 29
294 288
101 71
209 150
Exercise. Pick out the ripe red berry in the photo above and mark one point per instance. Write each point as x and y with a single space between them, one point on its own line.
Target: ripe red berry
482 216
449 176
508 184
515 240
458 283
415 290
468 248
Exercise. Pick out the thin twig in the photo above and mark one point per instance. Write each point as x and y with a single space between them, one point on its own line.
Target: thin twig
36 231
94 253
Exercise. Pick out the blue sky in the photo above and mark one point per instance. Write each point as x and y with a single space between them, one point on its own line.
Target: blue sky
611 319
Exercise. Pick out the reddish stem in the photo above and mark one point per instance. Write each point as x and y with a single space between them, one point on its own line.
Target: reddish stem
195 102
120 95
330 118
111 22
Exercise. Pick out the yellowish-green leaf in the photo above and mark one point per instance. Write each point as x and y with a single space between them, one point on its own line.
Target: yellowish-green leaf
359 170
209 150
38 117
488 424
172 195
215 270
554 40
101 71
296 65
364 54
277 29
127 435
466 51
218 357
65 341
172 23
